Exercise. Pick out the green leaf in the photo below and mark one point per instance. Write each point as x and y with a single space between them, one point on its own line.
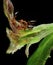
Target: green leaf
43 52
31 37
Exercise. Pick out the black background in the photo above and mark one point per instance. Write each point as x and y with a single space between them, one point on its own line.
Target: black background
41 11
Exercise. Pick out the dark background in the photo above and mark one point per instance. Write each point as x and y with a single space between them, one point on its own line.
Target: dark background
41 11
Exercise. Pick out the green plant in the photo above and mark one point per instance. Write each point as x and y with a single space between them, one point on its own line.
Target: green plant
20 35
